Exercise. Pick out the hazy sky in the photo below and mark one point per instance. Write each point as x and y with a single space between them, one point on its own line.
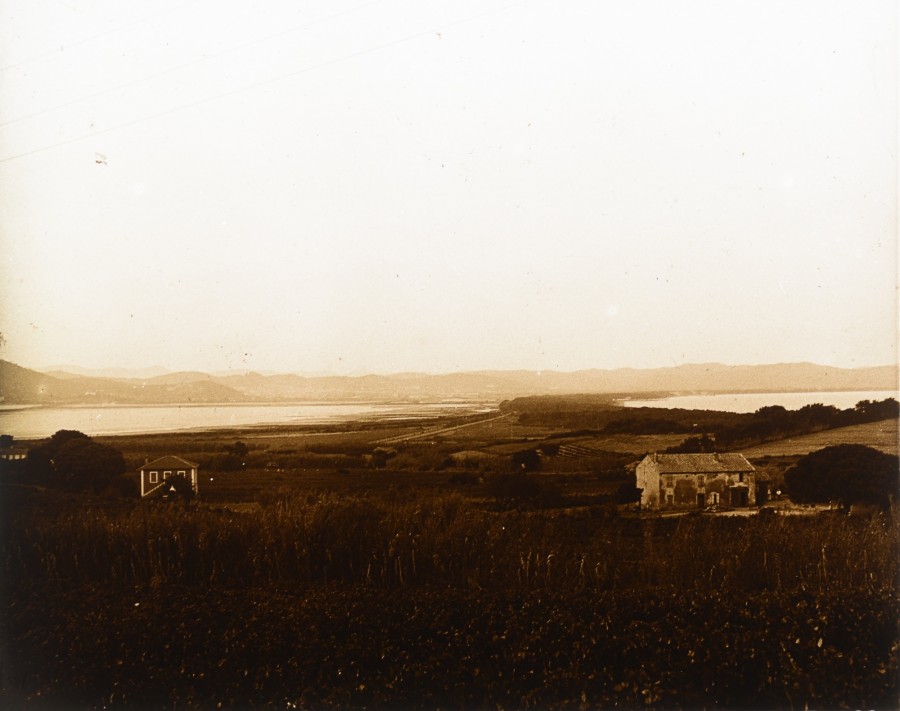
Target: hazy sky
397 185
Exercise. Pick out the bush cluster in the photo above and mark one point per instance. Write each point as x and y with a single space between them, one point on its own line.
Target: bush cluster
846 473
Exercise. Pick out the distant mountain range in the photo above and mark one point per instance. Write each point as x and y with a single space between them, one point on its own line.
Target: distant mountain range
69 371
21 386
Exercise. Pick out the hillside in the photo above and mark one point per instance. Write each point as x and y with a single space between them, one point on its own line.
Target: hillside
878 435
23 386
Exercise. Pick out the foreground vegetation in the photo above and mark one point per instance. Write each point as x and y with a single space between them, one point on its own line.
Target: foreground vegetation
334 570
351 647
335 602
441 541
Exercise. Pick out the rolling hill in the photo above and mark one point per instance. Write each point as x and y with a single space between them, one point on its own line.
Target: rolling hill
20 385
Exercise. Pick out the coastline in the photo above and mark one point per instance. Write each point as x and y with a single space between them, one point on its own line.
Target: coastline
129 421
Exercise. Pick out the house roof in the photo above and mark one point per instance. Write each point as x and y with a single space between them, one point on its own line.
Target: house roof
170 462
700 463
14 449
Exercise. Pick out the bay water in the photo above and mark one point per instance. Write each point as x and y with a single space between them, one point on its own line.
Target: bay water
40 422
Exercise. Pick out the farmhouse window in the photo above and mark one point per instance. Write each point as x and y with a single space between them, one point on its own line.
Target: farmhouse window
181 472
154 477
167 474
741 476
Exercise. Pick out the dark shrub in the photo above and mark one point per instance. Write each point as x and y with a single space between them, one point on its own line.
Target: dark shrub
512 488
527 460
845 473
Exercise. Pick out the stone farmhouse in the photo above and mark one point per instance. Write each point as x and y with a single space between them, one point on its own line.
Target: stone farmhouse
154 474
680 481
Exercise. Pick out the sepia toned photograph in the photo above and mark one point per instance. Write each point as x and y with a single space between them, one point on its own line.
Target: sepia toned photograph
497 355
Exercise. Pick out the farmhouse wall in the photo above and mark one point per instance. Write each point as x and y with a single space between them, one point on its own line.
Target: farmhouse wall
647 479
684 488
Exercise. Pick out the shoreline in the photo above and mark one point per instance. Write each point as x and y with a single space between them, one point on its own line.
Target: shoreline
334 424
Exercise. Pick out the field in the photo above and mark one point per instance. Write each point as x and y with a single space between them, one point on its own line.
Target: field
368 566
878 435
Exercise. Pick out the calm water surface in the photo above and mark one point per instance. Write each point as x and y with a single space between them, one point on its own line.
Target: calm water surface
751 402
39 422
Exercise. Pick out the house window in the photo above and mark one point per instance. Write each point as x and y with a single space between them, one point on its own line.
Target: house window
154 477
741 476
167 474
181 472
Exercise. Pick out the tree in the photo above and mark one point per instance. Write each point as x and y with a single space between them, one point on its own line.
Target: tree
85 464
40 463
179 487
381 455
694 445
628 492
846 474
868 411
817 416
771 412
527 460
73 460
238 449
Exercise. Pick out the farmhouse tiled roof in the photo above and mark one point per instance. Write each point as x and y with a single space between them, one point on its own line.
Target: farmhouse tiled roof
701 463
170 462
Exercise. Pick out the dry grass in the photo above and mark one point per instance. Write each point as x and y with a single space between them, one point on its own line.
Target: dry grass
438 539
878 435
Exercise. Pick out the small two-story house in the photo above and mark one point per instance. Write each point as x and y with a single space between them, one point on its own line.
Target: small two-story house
154 474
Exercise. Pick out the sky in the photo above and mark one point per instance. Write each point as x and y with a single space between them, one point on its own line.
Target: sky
395 185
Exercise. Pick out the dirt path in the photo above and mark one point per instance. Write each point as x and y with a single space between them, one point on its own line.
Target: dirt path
438 430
